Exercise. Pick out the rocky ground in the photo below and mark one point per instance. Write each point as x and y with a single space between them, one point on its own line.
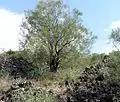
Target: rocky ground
93 85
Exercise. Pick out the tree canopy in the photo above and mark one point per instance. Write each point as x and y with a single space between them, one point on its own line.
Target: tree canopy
115 37
52 27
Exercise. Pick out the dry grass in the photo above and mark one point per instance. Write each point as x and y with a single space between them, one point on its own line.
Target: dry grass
5 83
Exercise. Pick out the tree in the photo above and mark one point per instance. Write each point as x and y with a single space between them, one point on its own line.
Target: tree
59 31
115 38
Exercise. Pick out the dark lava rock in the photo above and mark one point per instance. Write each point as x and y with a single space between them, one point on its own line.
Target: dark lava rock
93 86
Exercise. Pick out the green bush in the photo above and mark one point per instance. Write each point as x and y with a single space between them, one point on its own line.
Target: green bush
114 65
3 72
32 95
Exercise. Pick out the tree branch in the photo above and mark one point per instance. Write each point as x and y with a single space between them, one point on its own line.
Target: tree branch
67 43
115 46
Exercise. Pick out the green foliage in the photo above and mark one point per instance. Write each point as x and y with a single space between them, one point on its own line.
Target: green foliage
4 73
10 52
19 63
32 95
40 57
24 54
95 58
115 55
114 65
69 73
54 31
115 37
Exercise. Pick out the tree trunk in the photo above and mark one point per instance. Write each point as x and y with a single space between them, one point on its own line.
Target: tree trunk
54 63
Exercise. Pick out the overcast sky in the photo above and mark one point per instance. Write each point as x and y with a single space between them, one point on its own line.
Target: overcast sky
98 15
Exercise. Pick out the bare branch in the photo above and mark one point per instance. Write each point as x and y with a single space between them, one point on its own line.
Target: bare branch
115 46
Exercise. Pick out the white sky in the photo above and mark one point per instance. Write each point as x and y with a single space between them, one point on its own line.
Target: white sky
9 29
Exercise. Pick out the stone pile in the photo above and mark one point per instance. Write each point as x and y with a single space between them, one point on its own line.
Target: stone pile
92 86
8 95
15 65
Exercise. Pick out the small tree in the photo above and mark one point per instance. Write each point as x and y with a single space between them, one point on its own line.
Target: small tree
115 38
57 30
